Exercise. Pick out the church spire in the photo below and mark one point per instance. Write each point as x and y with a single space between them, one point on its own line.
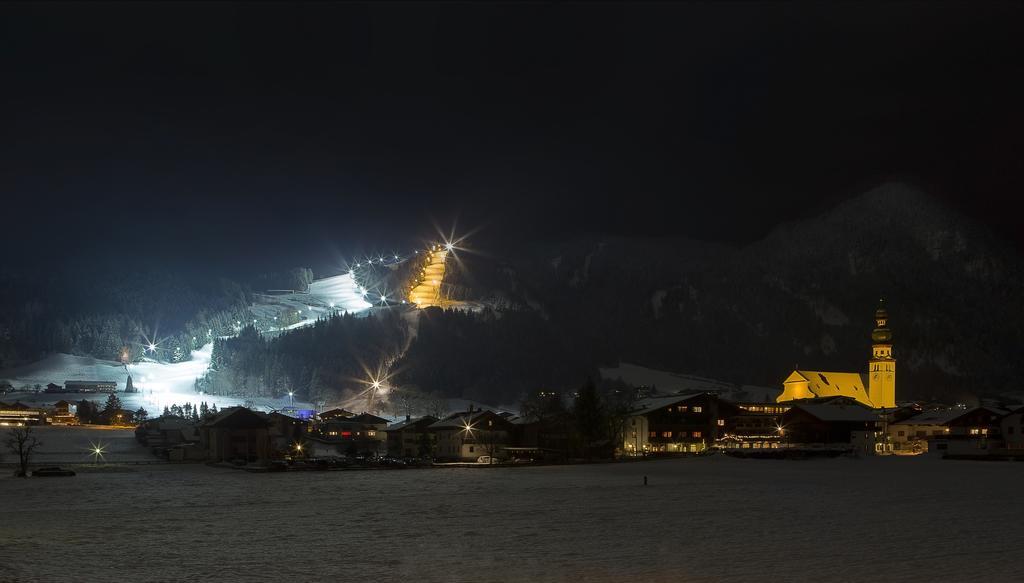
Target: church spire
882 366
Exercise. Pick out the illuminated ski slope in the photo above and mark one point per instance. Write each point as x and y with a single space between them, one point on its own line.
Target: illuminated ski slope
325 297
428 291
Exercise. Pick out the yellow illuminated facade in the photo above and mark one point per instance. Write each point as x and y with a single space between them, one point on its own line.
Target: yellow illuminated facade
877 389
426 287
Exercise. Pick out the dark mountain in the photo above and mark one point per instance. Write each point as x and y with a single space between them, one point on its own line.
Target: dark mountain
803 295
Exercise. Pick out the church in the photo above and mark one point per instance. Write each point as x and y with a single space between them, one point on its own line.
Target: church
876 389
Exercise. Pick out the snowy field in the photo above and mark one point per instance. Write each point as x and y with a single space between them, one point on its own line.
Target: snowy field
700 519
160 384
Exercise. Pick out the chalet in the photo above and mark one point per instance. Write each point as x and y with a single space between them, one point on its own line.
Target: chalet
467 435
117 417
914 434
974 432
676 424
287 433
410 438
90 386
64 413
18 413
335 414
1012 428
540 438
754 426
839 422
360 434
166 431
236 434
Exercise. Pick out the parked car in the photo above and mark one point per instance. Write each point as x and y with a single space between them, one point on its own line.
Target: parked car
52 472
486 459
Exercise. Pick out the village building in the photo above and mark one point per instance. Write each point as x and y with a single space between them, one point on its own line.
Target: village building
540 439
410 438
64 413
973 433
1012 428
840 423
876 389
287 433
162 433
754 426
915 434
90 386
362 434
54 388
236 434
689 423
18 414
468 435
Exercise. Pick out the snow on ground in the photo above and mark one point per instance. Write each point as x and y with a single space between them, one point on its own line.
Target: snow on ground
700 519
73 445
160 384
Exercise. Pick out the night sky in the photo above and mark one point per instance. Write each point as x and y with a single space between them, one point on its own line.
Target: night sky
269 135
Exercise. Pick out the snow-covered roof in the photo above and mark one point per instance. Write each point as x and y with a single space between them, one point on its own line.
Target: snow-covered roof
837 411
937 417
646 405
832 384
407 422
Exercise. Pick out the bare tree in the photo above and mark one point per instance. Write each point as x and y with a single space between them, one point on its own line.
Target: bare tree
22 443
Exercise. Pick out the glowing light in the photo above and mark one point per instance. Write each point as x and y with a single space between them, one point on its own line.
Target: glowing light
151 347
449 246
96 450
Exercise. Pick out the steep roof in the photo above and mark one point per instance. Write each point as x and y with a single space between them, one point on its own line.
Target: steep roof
937 417
649 404
369 419
237 418
837 411
833 384
426 419
460 420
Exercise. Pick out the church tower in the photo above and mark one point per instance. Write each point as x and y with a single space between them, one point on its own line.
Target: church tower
882 366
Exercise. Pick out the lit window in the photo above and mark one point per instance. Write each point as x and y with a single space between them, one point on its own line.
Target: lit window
975 431
682 409
652 434
666 434
698 409
721 422
697 434
682 434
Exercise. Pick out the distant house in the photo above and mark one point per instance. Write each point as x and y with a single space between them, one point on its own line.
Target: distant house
358 434
335 414
117 417
837 422
18 413
64 413
467 435
688 423
234 434
166 431
90 386
1012 428
915 434
286 432
410 438
54 388
974 432
753 426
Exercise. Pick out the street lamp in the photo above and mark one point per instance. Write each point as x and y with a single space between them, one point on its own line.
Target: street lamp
291 400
